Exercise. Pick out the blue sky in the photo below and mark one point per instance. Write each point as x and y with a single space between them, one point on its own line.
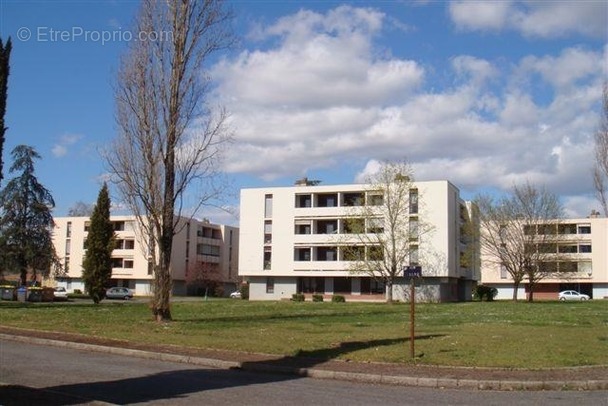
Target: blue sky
484 94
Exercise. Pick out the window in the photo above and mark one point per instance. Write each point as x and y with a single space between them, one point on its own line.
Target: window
68 230
503 271
87 225
116 262
268 206
327 254
68 247
414 254
413 228
327 200
567 249
354 226
303 227
207 249
375 199
267 258
584 248
269 285
303 200
66 264
327 226
375 225
129 244
302 254
353 253
119 225
150 268
375 253
128 263
413 201
267 231
566 229
353 199
584 229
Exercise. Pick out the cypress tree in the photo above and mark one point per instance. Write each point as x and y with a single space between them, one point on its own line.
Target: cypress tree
97 263
5 53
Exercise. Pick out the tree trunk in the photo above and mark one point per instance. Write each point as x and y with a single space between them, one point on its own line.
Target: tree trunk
515 290
389 292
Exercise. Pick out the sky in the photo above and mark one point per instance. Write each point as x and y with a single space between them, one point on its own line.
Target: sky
486 94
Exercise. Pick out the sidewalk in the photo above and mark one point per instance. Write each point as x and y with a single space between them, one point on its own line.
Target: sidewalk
581 378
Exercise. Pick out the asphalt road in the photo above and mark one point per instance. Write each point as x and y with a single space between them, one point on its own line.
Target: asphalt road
63 376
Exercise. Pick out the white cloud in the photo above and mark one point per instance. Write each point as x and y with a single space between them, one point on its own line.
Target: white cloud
535 18
322 99
478 15
61 148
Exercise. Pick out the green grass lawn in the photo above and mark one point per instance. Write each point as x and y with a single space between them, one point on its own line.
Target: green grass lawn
488 334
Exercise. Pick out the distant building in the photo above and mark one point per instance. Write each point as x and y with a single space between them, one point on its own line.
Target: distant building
197 246
290 243
581 246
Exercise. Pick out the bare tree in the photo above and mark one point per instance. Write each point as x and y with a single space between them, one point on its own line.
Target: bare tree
382 233
600 170
169 138
519 234
81 209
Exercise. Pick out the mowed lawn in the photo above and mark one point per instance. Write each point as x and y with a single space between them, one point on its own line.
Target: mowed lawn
484 334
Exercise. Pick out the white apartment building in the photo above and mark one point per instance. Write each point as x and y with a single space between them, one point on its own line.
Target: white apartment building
290 243
197 244
581 249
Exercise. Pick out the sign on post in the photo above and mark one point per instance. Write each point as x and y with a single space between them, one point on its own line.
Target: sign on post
412 272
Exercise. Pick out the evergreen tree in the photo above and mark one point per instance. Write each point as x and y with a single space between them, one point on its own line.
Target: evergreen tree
26 224
97 263
5 53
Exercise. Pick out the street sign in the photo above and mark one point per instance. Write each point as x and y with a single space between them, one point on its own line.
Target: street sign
412 271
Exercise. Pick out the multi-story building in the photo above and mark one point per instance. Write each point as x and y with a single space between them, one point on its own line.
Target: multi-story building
291 241
581 261
197 246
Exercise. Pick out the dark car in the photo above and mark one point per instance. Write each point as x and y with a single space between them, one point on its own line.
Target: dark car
119 293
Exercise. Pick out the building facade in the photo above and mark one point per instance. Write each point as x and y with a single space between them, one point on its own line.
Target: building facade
198 247
291 241
581 253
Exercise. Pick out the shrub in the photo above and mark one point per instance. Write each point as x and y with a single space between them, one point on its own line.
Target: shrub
317 298
244 289
338 299
77 292
482 291
298 297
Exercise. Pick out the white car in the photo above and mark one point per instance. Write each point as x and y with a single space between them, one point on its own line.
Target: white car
59 293
235 295
572 295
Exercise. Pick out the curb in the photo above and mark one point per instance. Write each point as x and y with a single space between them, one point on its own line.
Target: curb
396 380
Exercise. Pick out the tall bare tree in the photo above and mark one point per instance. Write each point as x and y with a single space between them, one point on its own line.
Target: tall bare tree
600 170
519 233
169 138
383 232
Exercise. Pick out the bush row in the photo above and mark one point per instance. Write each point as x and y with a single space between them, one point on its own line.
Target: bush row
299 297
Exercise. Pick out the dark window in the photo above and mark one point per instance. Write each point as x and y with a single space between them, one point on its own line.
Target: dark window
327 200
327 254
269 285
584 248
353 253
584 229
303 200
353 199
327 226
303 228
302 254
375 199
354 226
414 201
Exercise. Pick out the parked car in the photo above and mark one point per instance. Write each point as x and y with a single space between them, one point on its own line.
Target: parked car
572 295
235 295
59 293
119 293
